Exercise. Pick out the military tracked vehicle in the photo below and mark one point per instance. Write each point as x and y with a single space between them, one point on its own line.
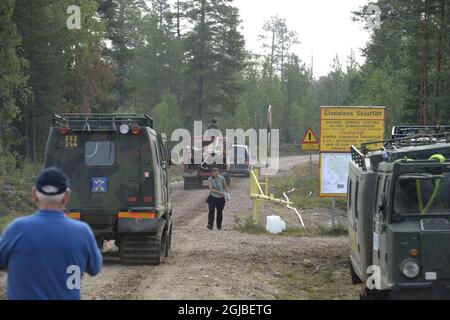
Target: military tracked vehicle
399 215
118 171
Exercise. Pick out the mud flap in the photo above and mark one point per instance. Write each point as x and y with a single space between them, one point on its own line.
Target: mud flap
132 225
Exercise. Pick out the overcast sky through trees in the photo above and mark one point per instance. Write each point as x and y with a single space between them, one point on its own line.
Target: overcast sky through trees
324 27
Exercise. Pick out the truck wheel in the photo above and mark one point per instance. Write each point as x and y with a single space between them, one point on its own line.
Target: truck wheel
354 276
192 183
143 249
199 183
189 184
367 294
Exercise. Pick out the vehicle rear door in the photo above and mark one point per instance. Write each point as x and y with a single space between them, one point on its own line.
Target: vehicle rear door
103 169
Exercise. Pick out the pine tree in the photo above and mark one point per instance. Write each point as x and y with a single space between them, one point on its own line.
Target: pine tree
214 51
123 21
13 82
57 56
277 41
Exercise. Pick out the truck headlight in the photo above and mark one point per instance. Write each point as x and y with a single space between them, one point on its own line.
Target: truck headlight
124 129
410 269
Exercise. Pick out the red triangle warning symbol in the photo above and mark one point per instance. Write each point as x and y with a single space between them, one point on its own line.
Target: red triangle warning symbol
310 137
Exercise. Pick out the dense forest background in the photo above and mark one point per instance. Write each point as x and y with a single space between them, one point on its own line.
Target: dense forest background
185 60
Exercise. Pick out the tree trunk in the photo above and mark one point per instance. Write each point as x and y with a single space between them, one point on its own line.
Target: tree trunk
272 54
121 67
424 82
178 20
33 135
288 111
436 105
201 81
161 15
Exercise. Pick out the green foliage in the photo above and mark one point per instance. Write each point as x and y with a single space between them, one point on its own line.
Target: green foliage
167 116
242 119
65 71
16 180
214 50
184 60
383 88
13 86
8 163
307 187
407 61
123 19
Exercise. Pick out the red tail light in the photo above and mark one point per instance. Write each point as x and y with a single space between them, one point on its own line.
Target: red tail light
135 130
132 199
63 130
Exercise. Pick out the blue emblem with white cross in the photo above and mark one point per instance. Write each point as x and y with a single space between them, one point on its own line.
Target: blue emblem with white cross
99 185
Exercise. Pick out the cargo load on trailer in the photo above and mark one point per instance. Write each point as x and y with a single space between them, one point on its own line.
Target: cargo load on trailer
206 153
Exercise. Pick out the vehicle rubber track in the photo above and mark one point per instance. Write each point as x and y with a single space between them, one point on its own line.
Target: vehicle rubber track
142 250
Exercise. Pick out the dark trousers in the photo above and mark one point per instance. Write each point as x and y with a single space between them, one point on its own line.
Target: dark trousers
215 204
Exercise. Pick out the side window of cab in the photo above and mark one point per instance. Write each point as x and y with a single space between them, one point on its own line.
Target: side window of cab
379 192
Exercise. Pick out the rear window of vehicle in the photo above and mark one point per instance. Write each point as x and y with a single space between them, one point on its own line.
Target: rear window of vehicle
99 153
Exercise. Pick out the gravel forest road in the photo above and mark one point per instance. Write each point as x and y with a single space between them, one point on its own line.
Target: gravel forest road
225 264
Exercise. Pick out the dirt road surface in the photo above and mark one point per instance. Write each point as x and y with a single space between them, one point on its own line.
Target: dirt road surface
228 264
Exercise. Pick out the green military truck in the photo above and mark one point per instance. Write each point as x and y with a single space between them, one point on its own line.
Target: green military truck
399 215
118 170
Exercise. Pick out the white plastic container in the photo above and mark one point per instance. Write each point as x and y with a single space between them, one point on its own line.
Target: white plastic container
275 225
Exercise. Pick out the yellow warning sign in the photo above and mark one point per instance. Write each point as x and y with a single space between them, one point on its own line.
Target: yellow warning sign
342 127
310 141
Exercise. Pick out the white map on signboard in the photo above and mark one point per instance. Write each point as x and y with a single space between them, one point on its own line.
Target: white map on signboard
334 172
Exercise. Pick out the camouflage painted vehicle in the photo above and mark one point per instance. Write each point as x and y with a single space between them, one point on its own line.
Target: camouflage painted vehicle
118 171
399 215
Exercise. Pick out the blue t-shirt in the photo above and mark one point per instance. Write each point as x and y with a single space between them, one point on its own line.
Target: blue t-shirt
46 254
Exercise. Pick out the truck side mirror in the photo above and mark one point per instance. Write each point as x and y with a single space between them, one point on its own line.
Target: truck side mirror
383 204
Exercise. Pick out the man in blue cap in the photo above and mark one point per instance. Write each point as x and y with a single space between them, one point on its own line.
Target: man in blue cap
47 253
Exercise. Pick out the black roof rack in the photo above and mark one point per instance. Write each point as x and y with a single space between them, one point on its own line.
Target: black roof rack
405 131
106 122
397 148
359 158
408 141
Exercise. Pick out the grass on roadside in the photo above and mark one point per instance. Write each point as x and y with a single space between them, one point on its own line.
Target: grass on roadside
245 224
289 150
307 186
322 284
15 193
176 173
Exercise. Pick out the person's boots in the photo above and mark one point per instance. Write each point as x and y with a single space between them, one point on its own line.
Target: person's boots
210 227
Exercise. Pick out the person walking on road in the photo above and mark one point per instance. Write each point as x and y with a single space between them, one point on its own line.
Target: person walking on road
46 254
218 192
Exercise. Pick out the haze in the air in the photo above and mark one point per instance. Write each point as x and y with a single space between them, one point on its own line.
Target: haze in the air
325 27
